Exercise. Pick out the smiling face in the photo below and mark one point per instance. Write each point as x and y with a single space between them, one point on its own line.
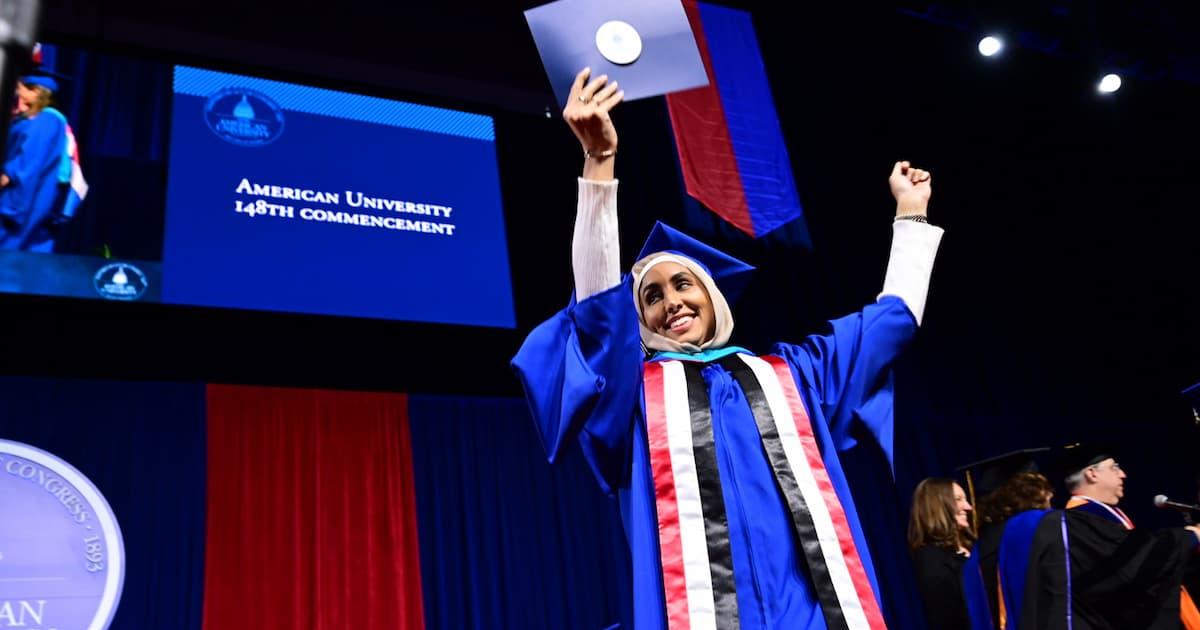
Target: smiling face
962 508
676 305
31 99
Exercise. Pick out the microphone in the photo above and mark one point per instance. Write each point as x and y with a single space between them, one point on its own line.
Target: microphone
1161 501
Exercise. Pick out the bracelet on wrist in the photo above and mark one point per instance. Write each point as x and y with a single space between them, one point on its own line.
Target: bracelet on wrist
607 153
919 218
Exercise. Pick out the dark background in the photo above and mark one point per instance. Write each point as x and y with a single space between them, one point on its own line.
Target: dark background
1062 304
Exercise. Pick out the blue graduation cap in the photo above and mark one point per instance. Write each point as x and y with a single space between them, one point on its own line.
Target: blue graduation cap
1075 457
44 77
730 274
645 45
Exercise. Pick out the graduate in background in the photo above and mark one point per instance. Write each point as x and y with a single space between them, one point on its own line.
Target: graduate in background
939 538
41 184
1006 485
725 464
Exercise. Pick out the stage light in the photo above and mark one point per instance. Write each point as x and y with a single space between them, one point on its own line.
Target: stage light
1109 84
990 46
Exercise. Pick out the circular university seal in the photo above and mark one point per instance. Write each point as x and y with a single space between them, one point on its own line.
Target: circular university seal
619 42
120 281
62 560
243 117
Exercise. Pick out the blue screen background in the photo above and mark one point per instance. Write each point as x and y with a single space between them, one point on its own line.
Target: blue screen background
335 142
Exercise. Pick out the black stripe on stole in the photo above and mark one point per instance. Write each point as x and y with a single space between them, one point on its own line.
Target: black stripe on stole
785 479
712 502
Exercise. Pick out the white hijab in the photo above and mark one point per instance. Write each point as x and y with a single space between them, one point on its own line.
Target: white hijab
721 313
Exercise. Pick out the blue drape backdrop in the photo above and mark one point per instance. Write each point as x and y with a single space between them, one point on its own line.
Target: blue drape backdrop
508 541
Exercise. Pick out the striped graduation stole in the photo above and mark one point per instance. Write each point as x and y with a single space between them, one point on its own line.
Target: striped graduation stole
692 524
1100 508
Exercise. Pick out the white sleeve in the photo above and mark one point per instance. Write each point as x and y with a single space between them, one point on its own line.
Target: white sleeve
596 247
914 246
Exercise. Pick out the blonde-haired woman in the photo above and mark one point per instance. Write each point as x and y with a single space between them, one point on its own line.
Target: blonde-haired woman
37 165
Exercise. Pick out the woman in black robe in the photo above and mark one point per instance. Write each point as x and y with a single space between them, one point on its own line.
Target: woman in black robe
940 537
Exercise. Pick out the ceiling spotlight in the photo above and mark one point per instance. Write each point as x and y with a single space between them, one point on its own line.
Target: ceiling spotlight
1109 84
990 46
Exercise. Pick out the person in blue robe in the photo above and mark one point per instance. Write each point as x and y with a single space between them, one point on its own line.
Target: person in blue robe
1006 485
725 465
36 167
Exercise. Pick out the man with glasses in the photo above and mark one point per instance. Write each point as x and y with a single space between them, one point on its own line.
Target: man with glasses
1095 481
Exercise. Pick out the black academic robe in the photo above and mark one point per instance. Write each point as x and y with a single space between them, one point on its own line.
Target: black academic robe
1117 579
939 580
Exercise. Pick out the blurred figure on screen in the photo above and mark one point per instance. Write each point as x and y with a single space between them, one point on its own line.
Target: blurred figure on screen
41 184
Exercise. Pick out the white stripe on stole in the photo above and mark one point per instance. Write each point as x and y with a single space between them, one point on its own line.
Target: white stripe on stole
1117 514
831 547
702 609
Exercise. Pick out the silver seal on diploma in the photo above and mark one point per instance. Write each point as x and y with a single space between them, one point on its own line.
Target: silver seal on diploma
619 42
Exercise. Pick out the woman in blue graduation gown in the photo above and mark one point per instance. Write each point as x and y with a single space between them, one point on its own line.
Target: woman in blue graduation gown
36 167
725 464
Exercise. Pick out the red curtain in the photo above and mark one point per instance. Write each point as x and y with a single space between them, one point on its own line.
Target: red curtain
311 511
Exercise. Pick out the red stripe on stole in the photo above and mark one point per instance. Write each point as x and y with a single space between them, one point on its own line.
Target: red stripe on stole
670 545
841 525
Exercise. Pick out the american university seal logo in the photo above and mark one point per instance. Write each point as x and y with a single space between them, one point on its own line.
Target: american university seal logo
119 281
62 560
244 117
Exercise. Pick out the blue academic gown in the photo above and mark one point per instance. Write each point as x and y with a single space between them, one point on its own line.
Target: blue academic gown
35 157
582 373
